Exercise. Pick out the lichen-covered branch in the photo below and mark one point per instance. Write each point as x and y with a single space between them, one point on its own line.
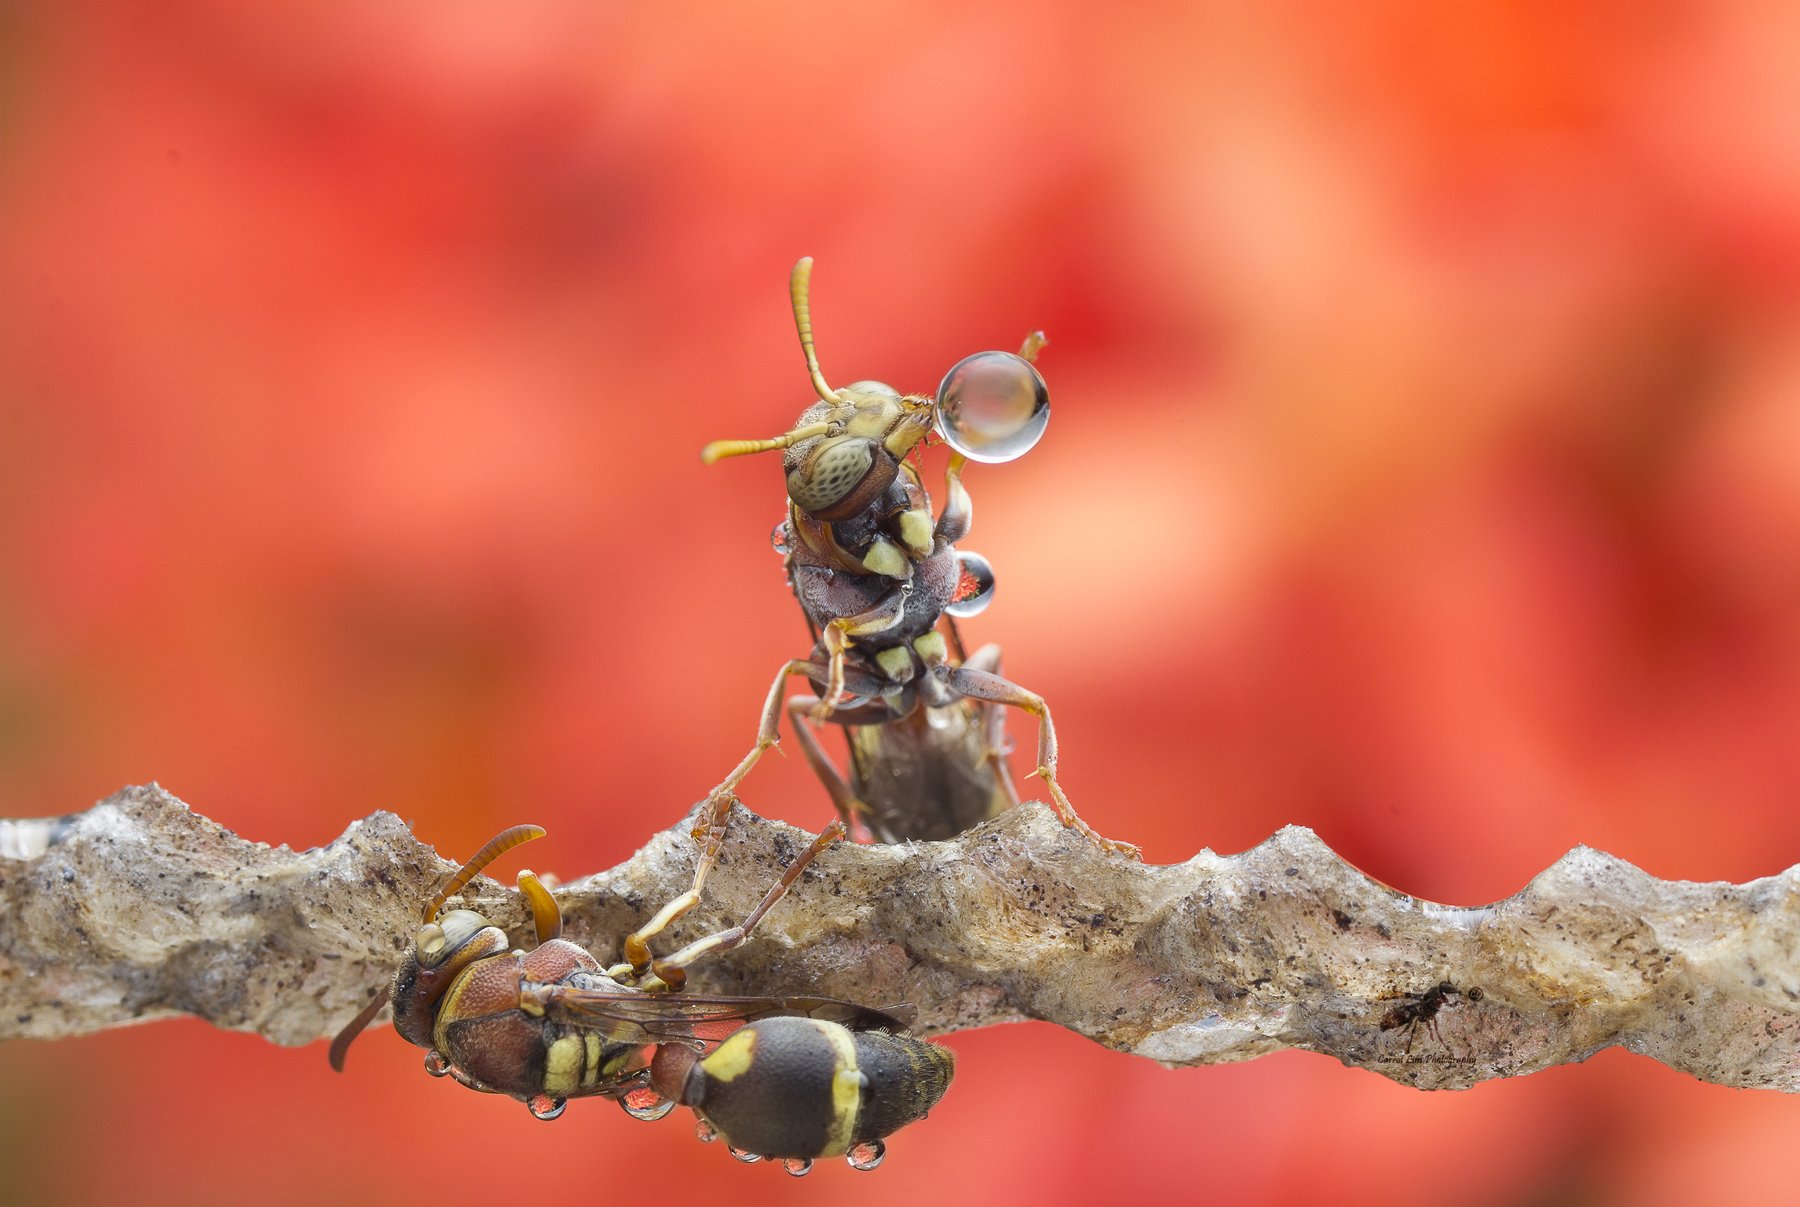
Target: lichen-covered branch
140 908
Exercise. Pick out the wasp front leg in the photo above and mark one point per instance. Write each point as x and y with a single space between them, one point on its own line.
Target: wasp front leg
837 638
959 509
983 685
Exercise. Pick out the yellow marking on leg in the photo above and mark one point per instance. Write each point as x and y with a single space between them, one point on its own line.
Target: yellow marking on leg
915 530
896 663
933 649
562 1066
731 1058
884 557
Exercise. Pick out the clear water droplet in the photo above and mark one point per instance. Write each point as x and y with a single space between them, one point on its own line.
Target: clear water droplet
974 585
866 1155
992 406
436 1063
799 1167
645 1103
544 1106
705 1132
741 1155
778 539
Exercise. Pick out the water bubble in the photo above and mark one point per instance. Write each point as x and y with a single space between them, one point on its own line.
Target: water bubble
705 1132
778 539
992 406
436 1063
646 1104
974 586
740 1155
798 1166
866 1155
545 1107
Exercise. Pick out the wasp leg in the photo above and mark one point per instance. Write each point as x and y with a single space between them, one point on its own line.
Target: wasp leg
982 685
959 510
672 971
636 948
768 733
837 640
850 810
711 827
993 723
546 919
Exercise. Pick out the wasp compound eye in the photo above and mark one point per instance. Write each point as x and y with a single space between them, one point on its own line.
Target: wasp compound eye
993 406
438 941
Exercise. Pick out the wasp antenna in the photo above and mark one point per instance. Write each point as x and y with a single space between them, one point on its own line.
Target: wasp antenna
496 846
798 284
718 450
341 1044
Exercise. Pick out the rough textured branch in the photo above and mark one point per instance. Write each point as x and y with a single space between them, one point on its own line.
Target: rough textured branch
139 908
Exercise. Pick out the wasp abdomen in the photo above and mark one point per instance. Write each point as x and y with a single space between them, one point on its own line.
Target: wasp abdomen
906 1077
802 1087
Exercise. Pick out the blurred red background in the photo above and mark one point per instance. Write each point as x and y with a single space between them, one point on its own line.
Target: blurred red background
1425 469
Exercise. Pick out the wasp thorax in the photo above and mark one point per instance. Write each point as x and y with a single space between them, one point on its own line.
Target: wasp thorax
993 406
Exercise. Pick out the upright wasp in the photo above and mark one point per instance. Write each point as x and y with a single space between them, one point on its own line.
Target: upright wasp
881 586
793 1078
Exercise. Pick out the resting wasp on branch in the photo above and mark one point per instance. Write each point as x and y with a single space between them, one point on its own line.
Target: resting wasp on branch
793 1078
881 586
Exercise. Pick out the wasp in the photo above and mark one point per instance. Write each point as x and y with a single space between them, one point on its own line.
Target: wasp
881 584
1423 1009
793 1078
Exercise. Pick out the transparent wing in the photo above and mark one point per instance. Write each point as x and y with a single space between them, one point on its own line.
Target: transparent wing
651 1018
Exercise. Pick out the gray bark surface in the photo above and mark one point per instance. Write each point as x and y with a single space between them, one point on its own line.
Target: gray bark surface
140 909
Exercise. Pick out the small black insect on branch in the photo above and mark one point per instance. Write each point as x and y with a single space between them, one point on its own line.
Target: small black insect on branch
1423 1008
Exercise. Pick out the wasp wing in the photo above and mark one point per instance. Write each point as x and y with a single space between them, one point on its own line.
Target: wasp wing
653 1018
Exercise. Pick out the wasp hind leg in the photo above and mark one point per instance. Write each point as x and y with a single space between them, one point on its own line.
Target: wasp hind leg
984 685
851 811
993 723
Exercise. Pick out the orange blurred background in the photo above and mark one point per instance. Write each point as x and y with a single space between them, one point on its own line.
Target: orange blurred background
1425 469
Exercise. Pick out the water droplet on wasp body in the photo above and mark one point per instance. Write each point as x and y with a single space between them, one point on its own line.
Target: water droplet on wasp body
545 1107
705 1132
974 585
799 1167
646 1104
866 1155
437 1064
746 1157
992 407
778 539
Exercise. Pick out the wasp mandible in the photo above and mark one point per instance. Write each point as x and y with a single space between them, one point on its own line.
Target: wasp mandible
793 1078
876 577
